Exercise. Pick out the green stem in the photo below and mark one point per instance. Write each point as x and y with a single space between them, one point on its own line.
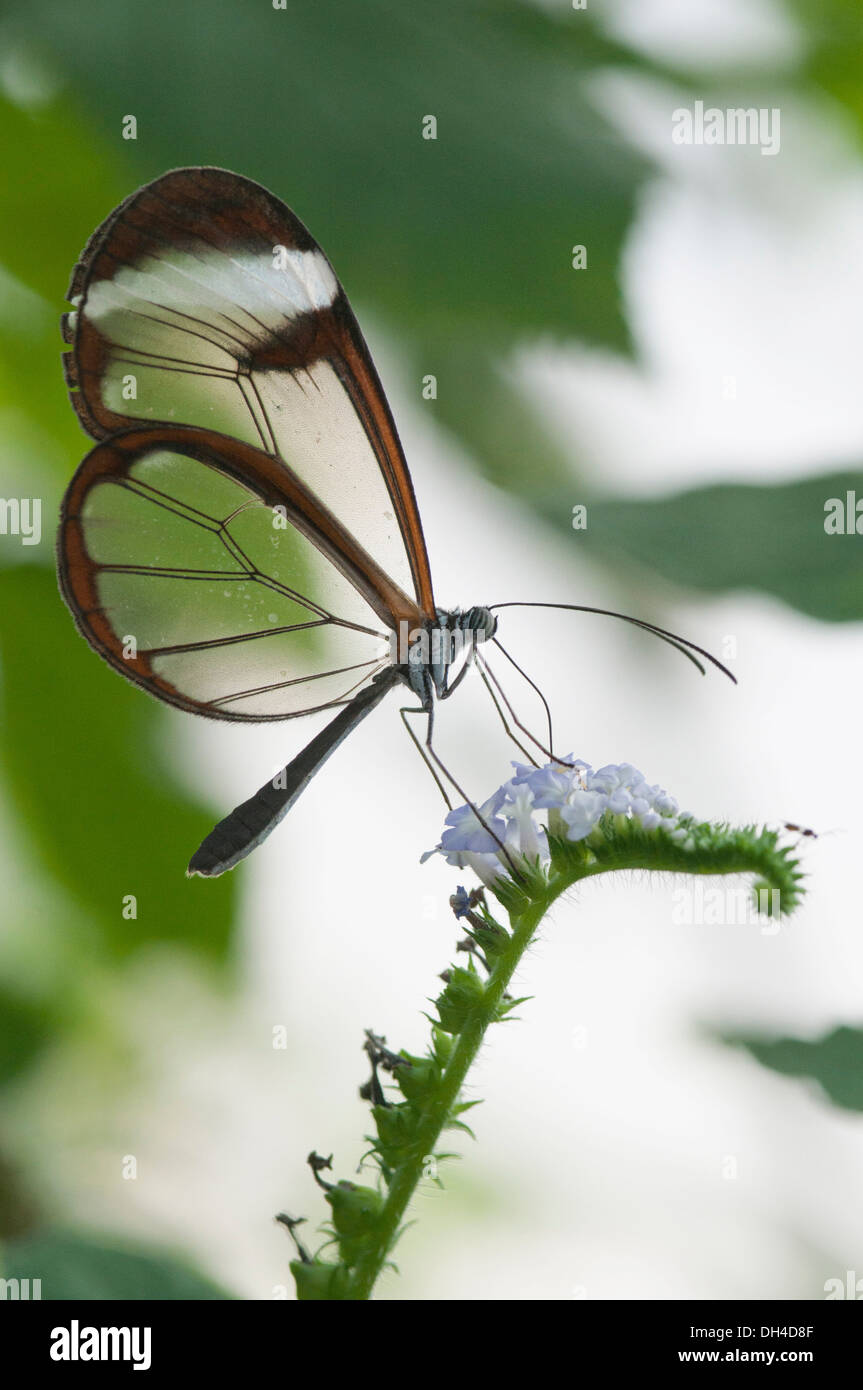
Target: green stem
440 1105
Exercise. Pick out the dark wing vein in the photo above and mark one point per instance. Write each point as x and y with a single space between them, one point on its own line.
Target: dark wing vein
302 680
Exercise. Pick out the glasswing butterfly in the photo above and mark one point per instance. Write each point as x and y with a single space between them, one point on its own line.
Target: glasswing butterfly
248 494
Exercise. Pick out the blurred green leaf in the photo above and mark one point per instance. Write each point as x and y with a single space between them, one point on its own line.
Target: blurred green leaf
82 1267
833 50
471 231
46 219
834 1061
24 1031
107 819
479 400
55 170
768 538
736 536
19 1209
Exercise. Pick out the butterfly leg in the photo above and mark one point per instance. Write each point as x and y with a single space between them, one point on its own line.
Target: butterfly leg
468 662
419 709
488 678
485 673
549 751
430 751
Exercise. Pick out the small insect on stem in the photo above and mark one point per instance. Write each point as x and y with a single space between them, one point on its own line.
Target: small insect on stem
800 830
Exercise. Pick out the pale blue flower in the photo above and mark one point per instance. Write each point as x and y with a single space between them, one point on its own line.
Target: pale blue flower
469 833
570 790
552 784
609 778
523 835
582 812
460 902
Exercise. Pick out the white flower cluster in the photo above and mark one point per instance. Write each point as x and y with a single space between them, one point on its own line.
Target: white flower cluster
572 793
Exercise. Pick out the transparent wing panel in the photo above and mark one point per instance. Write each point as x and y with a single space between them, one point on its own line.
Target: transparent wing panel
222 598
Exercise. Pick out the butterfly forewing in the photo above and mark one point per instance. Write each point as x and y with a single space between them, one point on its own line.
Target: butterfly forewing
249 522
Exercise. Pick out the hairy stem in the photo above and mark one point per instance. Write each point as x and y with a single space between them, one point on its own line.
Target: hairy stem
439 1106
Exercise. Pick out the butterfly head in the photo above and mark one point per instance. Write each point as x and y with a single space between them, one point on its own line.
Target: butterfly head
481 622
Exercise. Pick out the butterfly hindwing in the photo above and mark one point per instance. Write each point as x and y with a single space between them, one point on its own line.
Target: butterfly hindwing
182 573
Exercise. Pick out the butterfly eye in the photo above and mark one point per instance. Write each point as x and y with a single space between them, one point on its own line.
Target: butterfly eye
481 623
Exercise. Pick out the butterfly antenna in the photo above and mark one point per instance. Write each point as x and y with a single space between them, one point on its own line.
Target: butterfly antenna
681 644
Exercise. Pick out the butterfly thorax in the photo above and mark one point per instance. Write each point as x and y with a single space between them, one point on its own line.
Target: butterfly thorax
443 645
